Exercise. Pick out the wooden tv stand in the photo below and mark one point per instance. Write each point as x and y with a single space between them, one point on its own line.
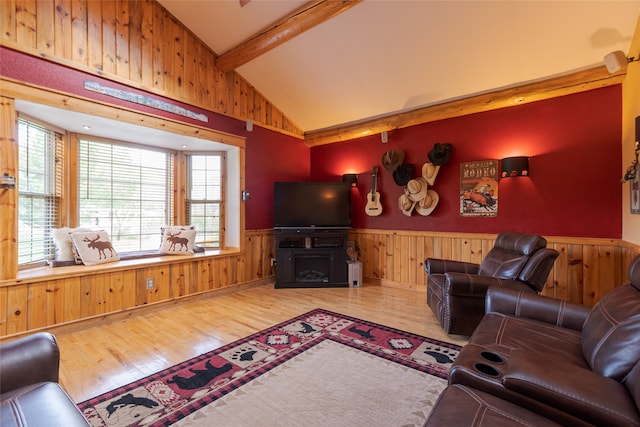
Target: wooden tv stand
307 258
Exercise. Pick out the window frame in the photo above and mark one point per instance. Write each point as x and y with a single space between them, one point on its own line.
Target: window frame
54 196
47 104
221 202
171 181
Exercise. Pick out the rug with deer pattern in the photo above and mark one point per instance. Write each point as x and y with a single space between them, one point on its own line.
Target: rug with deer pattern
167 396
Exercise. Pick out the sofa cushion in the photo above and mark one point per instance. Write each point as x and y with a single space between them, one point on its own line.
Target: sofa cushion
571 389
611 333
503 264
461 406
504 334
632 382
40 404
509 254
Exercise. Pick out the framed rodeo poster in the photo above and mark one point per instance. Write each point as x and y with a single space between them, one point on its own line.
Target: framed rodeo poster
479 188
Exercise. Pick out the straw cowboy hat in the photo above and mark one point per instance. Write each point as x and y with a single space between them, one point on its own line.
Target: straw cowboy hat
392 159
406 205
416 189
430 172
426 205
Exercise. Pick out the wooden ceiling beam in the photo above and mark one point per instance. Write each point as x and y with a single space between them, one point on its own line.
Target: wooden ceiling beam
299 21
580 81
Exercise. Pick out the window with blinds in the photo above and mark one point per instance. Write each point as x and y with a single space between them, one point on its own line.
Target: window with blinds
125 190
204 197
40 184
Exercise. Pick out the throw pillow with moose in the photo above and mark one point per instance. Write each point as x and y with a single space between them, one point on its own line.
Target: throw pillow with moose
94 247
178 240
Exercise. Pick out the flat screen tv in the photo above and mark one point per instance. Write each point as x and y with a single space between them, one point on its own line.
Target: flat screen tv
312 205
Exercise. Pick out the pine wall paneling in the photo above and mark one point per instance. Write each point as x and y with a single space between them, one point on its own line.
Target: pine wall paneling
46 297
8 197
585 271
137 43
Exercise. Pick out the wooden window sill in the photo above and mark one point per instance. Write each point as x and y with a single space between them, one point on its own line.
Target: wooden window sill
40 274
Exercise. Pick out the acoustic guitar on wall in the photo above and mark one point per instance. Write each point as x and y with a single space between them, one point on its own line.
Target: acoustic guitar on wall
374 206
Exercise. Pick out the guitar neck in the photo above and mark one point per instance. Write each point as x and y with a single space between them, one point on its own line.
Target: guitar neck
374 179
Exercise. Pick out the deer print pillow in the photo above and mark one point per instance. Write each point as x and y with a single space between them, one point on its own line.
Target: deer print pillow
178 240
94 247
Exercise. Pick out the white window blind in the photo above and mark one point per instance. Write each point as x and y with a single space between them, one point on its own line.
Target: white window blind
40 183
204 197
127 191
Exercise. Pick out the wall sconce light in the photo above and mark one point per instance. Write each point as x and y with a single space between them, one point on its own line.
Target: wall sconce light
616 61
384 136
7 181
515 166
351 178
249 125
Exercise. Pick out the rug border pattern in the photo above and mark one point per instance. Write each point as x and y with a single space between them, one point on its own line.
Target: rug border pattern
87 406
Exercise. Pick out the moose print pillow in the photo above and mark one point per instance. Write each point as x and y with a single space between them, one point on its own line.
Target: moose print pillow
178 240
94 247
64 247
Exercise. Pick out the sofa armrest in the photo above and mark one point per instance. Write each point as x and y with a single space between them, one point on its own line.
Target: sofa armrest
570 388
473 285
536 307
29 360
441 266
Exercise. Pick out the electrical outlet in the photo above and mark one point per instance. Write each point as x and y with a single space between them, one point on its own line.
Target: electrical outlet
151 283
273 262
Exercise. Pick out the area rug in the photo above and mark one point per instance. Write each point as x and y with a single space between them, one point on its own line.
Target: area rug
318 369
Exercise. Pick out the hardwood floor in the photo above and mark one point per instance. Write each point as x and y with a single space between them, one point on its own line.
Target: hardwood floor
100 357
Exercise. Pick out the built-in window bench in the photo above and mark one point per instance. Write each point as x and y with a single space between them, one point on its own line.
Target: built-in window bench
42 297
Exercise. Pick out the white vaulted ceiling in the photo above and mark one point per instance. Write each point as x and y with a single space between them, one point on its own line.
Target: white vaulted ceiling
386 56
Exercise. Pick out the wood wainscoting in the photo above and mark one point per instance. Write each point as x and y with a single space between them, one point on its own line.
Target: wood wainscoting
586 270
41 298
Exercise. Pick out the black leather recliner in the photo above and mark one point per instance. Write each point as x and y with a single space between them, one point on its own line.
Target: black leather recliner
29 391
456 290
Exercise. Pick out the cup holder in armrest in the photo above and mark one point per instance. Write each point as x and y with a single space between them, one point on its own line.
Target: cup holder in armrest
491 357
486 369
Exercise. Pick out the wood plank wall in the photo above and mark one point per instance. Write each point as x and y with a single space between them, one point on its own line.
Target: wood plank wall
585 271
37 300
138 43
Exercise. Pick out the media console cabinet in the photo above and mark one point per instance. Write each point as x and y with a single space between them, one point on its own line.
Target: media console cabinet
311 258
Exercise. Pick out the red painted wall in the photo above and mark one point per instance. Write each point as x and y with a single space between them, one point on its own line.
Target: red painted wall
574 185
573 141
269 156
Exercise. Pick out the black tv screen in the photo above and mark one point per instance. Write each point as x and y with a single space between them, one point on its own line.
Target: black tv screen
312 205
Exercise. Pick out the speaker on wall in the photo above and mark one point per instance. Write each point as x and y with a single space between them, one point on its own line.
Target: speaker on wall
615 61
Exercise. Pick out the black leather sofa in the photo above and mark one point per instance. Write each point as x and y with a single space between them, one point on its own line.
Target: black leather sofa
535 360
29 391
